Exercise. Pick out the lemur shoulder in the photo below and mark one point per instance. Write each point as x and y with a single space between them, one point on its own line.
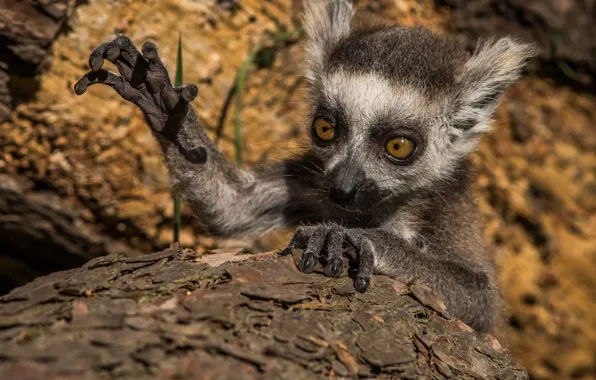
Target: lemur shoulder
395 113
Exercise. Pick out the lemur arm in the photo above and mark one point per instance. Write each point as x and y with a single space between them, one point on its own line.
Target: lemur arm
236 202
230 201
468 287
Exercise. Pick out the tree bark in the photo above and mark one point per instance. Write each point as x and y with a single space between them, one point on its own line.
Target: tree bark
172 314
40 233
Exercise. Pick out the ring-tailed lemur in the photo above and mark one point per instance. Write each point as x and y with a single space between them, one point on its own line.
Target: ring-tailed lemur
395 113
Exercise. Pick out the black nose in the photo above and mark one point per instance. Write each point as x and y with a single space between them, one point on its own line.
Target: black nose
342 194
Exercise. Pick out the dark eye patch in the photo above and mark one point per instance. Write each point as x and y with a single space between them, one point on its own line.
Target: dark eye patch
335 115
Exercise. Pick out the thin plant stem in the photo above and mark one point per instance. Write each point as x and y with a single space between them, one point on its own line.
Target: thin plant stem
176 197
241 81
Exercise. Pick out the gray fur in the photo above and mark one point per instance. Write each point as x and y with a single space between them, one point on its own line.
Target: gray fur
414 220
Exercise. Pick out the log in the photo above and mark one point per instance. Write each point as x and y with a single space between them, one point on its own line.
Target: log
173 314
41 233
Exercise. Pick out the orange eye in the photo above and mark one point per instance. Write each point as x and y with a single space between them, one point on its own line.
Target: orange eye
400 147
324 130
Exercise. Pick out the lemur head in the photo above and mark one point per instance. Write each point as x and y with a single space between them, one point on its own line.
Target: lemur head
397 109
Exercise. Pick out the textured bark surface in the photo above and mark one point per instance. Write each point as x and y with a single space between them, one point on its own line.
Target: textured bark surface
172 315
27 30
39 233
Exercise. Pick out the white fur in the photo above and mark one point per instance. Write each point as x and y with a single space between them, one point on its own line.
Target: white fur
493 67
325 23
365 96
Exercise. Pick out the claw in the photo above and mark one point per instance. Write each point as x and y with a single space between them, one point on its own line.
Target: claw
96 57
94 77
149 51
112 52
333 268
188 93
361 284
81 86
286 251
307 263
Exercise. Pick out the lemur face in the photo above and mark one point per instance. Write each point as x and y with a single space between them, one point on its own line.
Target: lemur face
379 117
376 139
397 109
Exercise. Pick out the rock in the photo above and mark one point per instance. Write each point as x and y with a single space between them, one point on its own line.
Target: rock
28 30
563 31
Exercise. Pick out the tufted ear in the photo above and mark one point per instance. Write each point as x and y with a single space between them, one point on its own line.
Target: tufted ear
489 72
325 23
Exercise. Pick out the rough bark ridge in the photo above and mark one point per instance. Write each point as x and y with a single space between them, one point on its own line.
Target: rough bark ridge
173 315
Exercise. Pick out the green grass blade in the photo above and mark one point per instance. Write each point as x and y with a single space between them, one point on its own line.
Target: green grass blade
556 40
178 80
241 81
177 83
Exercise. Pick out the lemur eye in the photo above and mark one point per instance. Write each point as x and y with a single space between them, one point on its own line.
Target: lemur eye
324 130
400 148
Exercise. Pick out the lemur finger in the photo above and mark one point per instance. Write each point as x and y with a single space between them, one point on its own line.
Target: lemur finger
334 260
157 78
313 250
128 51
122 52
97 56
113 54
122 88
178 98
109 78
130 57
299 240
366 262
333 267
99 76
188 92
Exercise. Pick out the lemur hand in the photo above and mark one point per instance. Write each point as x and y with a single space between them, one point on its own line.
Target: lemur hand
328 244
144 81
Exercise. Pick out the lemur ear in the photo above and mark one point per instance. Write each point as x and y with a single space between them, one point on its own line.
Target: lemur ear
325 23
491 69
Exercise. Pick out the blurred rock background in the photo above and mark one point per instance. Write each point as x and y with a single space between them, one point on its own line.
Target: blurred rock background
82 176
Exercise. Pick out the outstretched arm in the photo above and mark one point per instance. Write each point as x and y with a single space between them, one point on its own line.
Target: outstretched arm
229 201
